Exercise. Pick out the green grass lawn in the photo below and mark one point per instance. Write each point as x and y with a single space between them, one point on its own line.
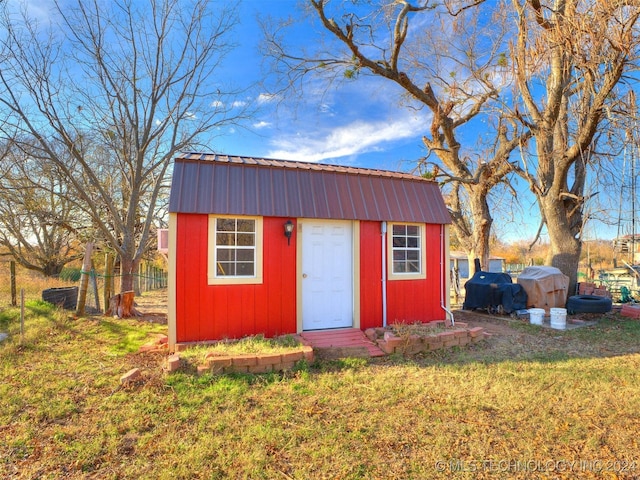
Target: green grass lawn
532 412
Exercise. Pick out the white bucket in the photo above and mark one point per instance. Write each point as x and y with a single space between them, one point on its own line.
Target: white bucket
536 316
558 318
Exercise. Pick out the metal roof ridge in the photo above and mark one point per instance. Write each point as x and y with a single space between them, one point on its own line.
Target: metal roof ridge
296 164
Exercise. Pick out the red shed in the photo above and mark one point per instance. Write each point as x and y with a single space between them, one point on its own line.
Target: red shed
363 248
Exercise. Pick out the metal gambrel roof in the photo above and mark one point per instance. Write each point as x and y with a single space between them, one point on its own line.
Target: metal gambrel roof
230 185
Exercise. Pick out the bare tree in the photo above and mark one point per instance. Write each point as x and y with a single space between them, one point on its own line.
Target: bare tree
446 59
120 87
38 222
570 59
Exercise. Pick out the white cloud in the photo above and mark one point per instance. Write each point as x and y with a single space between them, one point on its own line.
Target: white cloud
261 124
239 103
266 97
355 138
217 103
324 108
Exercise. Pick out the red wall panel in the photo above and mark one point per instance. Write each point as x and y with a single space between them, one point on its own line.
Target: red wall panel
212 312
370 275
411 301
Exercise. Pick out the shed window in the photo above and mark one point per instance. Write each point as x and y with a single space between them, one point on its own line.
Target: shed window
235 250
407 251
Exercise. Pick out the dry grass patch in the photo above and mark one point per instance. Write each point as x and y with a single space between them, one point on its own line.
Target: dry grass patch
256 344
405 330
63 413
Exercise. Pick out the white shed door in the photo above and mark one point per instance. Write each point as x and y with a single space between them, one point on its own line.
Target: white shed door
327 274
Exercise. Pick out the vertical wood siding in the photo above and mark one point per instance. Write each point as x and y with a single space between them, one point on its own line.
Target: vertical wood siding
212 312
411 301
370 275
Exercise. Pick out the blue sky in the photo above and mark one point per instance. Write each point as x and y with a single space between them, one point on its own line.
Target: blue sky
357 123
360 123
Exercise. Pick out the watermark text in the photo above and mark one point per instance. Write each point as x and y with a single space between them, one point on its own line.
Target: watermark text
513 466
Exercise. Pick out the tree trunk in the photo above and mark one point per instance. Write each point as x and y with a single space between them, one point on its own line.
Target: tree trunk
126 308
473 233
482 222
128 271
52 269
122 306
565 248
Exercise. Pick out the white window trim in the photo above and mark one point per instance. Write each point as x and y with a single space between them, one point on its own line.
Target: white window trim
423 254
212 277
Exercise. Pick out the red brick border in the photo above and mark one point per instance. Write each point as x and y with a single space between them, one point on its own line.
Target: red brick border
459 335
385 338
254 363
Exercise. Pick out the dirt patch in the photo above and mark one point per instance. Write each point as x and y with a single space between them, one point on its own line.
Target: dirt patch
153 305
516 339
493 324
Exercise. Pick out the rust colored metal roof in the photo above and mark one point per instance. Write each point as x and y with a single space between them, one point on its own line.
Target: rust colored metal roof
222 184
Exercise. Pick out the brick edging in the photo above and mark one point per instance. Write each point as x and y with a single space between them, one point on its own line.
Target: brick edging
252 363
385 338
458 335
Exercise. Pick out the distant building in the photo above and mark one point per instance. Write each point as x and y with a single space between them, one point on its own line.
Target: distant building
629 248
458 261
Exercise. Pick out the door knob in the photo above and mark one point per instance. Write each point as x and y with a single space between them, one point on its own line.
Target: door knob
304 275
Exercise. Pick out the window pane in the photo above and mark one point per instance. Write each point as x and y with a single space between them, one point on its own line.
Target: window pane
245 268
225 239
226 269
246 225
398 267
225 254
413 230
399 255
412 242
399 242
246 239
226 224
399 229
413 255
413 267
245 255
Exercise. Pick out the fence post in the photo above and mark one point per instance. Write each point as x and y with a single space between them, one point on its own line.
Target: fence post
21 316
84 280
108 280
14 300
94 284
137 280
